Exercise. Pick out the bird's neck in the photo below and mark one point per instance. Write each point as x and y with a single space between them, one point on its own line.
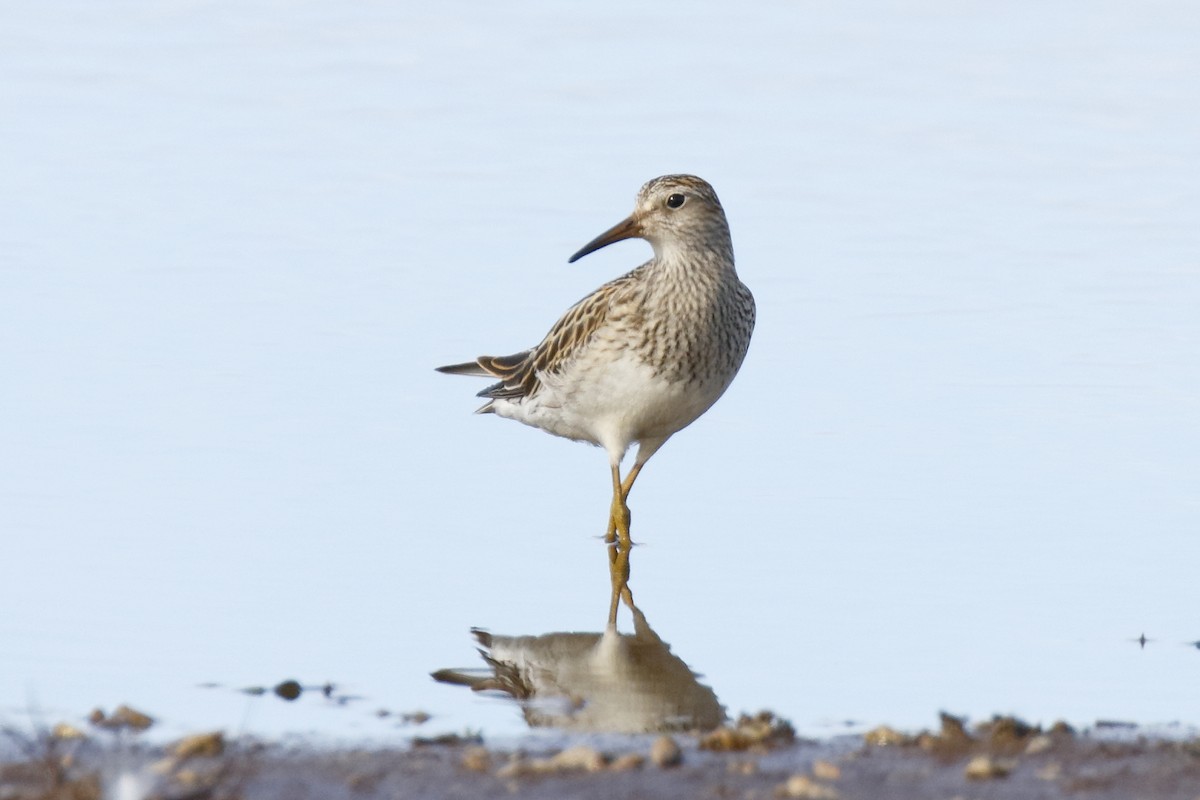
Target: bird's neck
709 255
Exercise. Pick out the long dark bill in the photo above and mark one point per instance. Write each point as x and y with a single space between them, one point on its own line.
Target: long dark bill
628 228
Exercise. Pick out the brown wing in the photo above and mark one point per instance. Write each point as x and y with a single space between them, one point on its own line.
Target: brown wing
518 373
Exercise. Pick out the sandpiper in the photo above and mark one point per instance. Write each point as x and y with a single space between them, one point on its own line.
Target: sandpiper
643 356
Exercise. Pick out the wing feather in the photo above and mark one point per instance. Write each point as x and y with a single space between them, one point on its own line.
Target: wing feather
519 373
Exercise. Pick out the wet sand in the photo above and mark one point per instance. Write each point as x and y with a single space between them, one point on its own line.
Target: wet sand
755 758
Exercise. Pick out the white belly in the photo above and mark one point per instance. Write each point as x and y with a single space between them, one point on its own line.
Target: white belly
612 405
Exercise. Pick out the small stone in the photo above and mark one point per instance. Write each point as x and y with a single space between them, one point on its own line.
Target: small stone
627 763
476 759
954 728
1007 735
64 731
1039 744
578 757
123 717
759 732
665 752
951 742
742 768
723 739
200 745
805 788
983 768
1062 730
131 718
883 736
826 770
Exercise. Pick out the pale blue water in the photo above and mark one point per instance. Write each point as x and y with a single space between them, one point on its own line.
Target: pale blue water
958 470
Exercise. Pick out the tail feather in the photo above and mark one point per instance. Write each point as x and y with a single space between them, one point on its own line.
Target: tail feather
470 368
504 367
515 372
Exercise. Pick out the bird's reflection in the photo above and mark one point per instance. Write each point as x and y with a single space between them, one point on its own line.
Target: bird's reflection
623 683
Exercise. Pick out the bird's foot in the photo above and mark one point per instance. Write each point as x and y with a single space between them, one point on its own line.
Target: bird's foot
619 543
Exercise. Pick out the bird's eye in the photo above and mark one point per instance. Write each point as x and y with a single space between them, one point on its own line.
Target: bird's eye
675 201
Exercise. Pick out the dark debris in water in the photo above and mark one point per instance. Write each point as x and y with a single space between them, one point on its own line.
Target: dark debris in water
405 717
292 690
288 690
448 740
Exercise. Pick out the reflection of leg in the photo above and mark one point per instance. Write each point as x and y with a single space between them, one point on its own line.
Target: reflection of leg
610 544
617 538
626 539
618 542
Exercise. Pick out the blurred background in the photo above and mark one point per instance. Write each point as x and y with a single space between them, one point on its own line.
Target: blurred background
957 471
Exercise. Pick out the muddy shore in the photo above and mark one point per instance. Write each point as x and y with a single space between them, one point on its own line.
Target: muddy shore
755 757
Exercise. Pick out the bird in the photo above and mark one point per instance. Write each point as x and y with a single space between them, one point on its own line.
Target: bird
641 357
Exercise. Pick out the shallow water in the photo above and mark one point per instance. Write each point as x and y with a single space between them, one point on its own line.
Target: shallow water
958 469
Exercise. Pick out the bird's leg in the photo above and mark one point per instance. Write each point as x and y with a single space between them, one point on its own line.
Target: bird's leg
619 540
619 544
610 535
627 484
610 541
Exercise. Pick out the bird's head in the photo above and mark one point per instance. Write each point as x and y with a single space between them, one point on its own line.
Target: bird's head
671 213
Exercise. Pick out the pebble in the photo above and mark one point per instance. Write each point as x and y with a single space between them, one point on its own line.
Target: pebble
1039 744
665 752
982 768
579 757
476 759
759 732
200 745
805 788
64 731
123 717
627 762
883 736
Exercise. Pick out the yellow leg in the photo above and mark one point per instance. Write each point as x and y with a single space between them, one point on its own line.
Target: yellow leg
629 479
619 541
